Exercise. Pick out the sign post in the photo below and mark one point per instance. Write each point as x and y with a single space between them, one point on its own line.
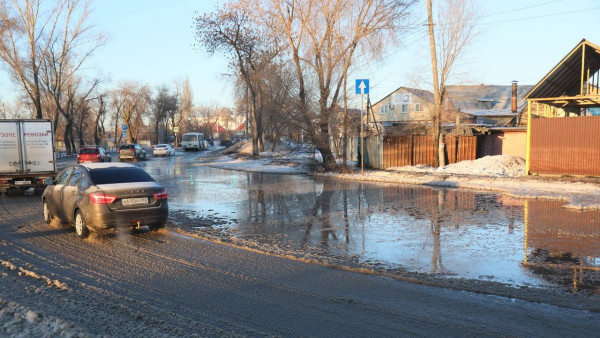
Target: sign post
362 88
175 131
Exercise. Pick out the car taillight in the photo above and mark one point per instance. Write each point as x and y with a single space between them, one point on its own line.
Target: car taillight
100 198
4 181
160 195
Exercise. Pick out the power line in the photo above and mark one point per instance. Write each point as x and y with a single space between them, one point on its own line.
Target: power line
519 9
541 16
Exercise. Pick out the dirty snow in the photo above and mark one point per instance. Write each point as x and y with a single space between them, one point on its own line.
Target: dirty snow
286 159
19 321
500 166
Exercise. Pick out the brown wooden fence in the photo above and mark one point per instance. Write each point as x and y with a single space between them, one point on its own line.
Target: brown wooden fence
565 146
462 148
399 151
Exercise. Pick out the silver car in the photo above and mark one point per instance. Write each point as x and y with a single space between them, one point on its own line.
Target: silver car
163 150
99 196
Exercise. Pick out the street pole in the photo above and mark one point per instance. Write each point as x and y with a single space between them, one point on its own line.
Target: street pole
362 147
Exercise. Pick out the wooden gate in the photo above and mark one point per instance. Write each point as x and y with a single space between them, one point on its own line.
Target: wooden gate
565 146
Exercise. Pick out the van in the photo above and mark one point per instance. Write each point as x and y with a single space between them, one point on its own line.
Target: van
192 141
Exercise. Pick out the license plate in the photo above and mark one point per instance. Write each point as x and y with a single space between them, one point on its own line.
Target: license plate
22 182
135 201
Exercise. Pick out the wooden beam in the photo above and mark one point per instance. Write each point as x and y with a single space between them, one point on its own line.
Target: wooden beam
528 149
582 68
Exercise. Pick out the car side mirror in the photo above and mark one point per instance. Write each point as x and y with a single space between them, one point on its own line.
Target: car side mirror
49 181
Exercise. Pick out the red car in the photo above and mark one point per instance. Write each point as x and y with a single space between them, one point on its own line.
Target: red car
90 154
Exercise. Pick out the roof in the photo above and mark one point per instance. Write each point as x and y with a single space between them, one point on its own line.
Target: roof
468 98
490 113
565 79
425 94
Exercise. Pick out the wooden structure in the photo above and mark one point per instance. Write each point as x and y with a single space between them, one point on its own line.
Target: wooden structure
570 143
402 150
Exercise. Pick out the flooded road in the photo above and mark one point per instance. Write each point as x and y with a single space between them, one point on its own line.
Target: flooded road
449 232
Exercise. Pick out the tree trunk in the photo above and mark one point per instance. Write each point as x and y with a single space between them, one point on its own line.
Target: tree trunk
67 136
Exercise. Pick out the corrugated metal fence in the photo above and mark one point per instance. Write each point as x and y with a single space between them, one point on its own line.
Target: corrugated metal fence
399 151
565 146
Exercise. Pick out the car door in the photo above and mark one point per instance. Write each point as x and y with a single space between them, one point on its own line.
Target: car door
55 200
72 194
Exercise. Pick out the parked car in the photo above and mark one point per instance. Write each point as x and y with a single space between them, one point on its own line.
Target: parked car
163 150
96 196
133 152
90 154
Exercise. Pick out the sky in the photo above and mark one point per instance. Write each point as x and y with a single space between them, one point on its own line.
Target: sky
152 41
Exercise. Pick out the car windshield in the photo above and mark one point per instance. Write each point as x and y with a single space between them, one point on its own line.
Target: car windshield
88 150
119 175
190 138
127 146
160 146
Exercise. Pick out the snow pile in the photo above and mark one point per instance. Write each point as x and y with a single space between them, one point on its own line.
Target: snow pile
502 165
499 166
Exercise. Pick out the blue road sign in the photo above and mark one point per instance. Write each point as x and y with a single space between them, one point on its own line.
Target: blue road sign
124 127
362 86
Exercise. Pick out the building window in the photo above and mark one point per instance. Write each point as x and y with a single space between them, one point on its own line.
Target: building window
404 108
418 107
384 109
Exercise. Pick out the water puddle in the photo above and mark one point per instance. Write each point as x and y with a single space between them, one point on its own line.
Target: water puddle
455 233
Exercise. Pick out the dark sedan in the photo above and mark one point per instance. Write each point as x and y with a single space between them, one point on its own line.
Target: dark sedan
98 196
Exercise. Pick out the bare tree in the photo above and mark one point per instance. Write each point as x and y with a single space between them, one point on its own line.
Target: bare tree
25 41
43 49
99 109
235 29
163 107
322 38
454 32
133 101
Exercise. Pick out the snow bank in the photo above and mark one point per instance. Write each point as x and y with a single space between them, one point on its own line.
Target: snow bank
499 166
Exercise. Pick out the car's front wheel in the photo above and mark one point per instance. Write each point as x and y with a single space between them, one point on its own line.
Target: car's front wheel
47 215
80 227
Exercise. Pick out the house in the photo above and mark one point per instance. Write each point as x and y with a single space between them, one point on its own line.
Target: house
477 121
483 105
562 128
489 105
404 106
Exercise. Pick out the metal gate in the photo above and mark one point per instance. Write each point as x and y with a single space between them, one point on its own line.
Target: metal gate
565 146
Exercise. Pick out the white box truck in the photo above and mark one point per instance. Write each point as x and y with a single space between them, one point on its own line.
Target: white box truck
26 154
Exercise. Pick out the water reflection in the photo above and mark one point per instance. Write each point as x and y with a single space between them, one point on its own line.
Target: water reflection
562 246
431 230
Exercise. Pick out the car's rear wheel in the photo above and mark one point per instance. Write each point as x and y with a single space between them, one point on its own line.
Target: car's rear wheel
47 215
157 227
80 227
